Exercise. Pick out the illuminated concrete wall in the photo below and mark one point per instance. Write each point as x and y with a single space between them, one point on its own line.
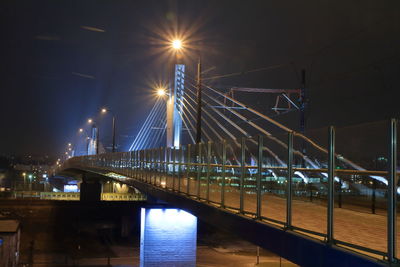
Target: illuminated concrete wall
167 238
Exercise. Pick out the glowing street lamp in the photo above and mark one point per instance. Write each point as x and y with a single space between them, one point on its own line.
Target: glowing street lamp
104 111
161 92
176 44
81 130
90 121
69 144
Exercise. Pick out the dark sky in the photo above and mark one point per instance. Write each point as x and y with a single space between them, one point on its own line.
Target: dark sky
56 72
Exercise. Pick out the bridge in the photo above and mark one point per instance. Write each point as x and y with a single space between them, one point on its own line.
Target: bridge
243 171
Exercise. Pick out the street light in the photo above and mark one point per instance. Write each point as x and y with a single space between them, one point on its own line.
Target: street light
161 92
104 111
86 138
176 44
90 121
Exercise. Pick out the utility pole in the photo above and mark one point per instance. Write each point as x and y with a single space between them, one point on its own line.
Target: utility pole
303 102
198 125
303 106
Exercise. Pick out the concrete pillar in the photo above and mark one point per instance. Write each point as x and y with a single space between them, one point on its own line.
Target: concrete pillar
91 189
167 238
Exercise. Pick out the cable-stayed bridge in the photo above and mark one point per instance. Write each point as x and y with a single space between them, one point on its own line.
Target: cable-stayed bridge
255 176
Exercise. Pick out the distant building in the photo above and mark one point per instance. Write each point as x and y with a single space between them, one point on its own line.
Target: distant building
9 242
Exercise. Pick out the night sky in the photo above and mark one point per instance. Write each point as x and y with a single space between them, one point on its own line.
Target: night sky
61 61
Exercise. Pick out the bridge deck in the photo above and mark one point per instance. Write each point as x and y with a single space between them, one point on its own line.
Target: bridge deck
354 227
357 228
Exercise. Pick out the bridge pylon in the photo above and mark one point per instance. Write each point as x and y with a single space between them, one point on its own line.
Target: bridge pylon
174 107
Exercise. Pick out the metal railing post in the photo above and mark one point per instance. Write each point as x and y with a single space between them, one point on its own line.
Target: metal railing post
289 181
166 164
160 166
152 161
331 183
145 154
180 157
141 165
137 164
259 176
188 169
392 191
132 163
242 172
223 173
208 169
173 167
199 168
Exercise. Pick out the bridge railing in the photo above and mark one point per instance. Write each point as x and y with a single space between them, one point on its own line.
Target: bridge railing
274 184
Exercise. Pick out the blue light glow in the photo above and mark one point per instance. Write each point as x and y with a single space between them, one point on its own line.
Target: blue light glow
167 236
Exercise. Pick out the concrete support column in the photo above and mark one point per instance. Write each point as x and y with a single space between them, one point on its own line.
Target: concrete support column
167 238
91 189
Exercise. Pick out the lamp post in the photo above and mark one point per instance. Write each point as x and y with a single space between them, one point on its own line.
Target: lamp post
87 139
96 135
104 110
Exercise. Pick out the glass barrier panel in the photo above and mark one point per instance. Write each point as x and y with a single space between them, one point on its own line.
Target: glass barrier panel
180 166
169 170
250 176
215 173
193 167
184 168
175 167
309 182
274 177
360 213
161 177
232 174
202 174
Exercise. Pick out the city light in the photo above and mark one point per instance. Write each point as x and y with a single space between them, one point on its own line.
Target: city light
177 44
80 130
89 120
69 144
103 110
